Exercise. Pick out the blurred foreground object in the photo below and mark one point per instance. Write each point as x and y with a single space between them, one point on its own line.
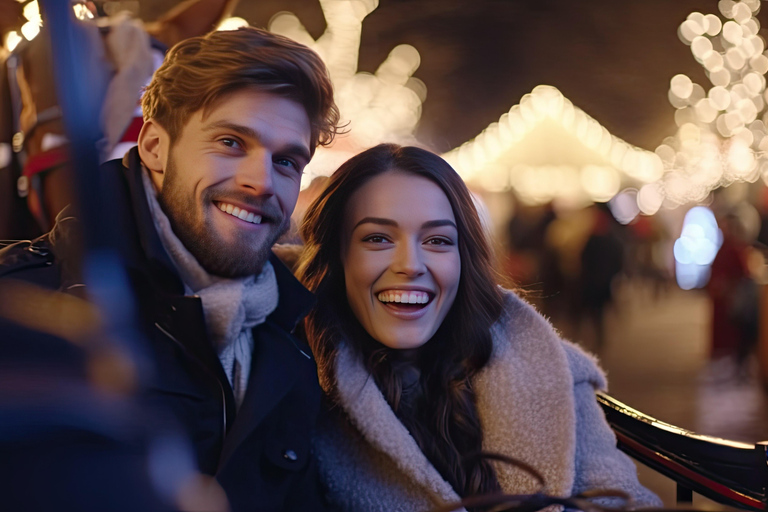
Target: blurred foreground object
72 434
72 437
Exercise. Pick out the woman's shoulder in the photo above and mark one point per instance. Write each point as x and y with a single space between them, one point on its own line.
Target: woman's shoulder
521 319
523 329
584 366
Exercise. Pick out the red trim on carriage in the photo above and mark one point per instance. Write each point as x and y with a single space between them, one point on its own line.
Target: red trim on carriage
132 132
46 160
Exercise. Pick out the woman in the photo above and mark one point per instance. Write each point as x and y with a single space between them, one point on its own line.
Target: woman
426 361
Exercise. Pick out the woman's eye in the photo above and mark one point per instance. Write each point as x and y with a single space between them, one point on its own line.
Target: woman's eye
439 241
375 239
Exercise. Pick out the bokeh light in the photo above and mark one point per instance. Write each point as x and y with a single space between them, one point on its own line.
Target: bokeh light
721 139
695 249
232 23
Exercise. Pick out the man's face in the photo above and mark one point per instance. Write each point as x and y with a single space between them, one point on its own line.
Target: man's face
232 178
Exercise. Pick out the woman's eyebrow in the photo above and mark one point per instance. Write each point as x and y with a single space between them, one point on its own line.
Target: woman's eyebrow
438 223
389 222
376 220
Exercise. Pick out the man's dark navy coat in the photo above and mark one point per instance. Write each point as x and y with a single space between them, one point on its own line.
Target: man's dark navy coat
259 454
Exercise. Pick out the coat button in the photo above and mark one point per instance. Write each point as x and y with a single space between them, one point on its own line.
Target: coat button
290 455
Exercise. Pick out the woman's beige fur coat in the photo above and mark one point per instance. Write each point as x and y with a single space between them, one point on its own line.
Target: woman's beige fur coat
536 399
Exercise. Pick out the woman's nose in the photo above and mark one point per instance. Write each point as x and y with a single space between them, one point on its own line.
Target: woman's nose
408 260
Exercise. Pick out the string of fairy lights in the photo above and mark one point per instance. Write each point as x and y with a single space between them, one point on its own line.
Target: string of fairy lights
384 106
722 133
492 159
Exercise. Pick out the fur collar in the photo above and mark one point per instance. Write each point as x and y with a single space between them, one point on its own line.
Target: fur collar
524 398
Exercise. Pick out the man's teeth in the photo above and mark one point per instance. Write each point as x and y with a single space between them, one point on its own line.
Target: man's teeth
403 297
240 214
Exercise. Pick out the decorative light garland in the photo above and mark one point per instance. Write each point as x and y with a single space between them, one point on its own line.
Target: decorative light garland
594 167
383 106
721 137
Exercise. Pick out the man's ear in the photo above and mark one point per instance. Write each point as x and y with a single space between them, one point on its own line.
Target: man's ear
154 144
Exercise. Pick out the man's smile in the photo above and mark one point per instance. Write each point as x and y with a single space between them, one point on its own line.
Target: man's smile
240 213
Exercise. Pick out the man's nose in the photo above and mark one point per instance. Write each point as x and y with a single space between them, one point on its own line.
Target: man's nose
409 259
255 173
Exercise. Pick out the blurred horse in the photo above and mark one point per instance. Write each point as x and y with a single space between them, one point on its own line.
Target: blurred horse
35 176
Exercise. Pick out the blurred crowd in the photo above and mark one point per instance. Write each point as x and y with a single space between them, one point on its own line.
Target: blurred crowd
572 264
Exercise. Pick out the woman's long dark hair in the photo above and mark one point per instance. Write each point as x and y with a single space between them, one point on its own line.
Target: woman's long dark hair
447 426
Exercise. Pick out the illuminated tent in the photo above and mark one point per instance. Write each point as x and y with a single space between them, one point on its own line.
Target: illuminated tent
546 148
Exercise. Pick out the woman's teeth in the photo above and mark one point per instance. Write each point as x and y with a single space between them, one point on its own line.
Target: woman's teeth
404 297
240 214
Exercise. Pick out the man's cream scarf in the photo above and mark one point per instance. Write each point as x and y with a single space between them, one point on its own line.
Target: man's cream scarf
232 307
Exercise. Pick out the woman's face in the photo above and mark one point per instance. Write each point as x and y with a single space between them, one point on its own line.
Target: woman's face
401 258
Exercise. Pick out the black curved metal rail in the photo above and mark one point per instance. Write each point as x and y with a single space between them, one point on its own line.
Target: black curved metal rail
728 472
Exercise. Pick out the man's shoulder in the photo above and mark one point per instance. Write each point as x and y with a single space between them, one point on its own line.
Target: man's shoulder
22 257
41 261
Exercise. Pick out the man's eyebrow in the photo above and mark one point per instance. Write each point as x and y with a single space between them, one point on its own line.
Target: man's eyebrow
390 222
296 150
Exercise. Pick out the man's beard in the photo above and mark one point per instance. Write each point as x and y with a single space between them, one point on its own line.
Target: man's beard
232 260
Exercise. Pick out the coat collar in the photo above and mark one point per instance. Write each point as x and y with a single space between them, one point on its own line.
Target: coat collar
524 399
152 256
369 411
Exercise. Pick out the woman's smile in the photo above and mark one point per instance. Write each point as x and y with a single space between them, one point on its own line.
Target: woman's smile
401 258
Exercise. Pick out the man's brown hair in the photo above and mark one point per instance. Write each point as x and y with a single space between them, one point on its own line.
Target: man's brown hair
200 71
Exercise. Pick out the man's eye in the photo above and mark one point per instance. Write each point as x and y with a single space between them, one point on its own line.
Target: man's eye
230 143
286 162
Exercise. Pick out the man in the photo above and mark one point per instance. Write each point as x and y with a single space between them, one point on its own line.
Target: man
231 119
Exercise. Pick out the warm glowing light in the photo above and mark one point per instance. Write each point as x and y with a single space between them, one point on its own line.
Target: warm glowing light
12 40
721 77
755 82
720 97
732 32
741 12
378 107
624 206
713 62
232 23
741 160
701 47
601 183
32 13
706 111
504 147
82 12
714 25
30 30
721 138
287 24
689 133
726 7
666 153
688 31
649 199
681 86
